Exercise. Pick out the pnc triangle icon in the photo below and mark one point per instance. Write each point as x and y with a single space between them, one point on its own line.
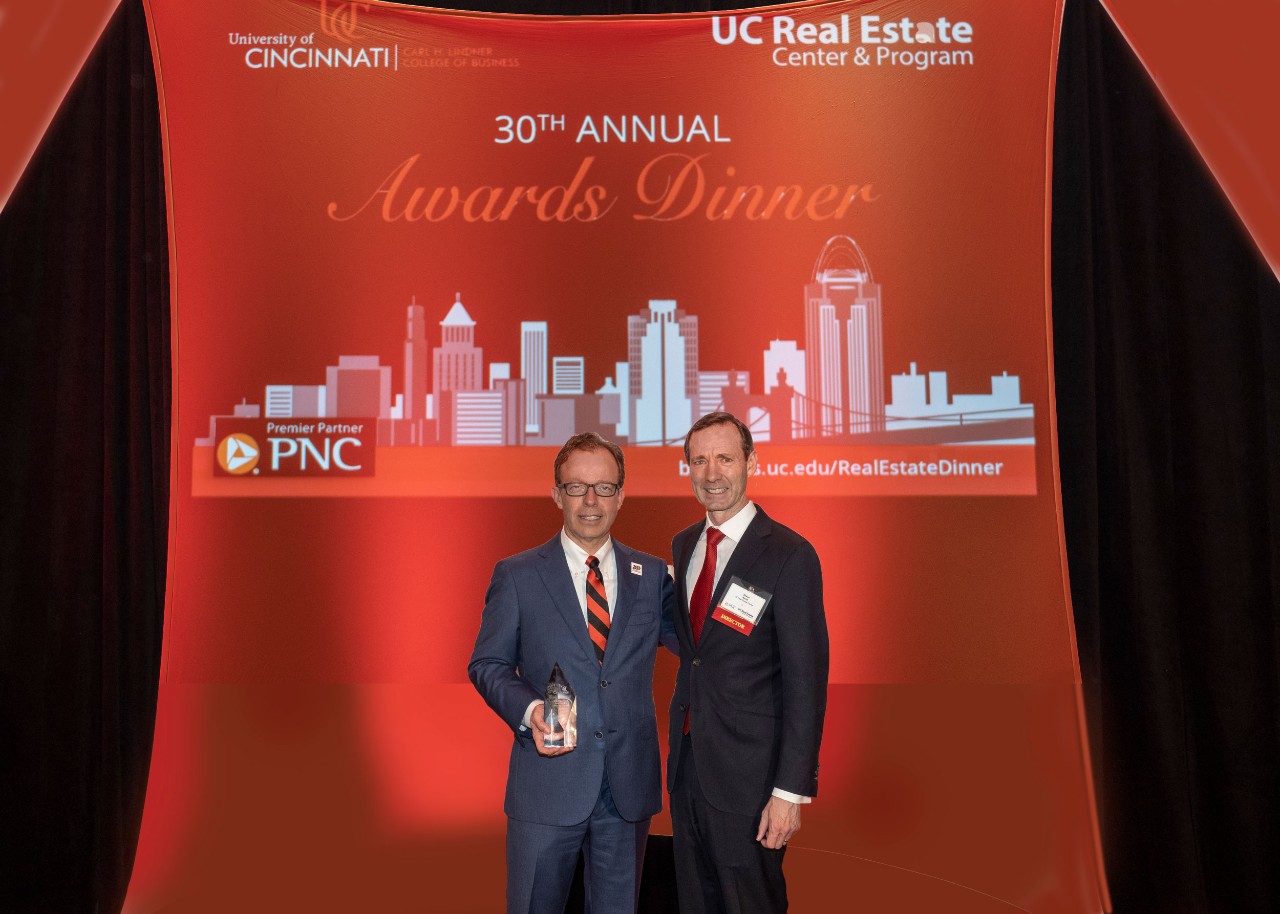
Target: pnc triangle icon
238 454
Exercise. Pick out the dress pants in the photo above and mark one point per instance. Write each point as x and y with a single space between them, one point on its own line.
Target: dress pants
541 860
720 867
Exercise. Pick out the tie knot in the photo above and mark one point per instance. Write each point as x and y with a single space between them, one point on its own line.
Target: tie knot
714 536
593 562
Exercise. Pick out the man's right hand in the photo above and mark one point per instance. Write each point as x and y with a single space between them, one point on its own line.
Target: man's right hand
540 729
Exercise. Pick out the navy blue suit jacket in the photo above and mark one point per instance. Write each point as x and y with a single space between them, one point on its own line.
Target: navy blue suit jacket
756 702
532 620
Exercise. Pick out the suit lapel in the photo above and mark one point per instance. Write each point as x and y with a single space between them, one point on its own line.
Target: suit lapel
554 571
628 584
744 556
683 554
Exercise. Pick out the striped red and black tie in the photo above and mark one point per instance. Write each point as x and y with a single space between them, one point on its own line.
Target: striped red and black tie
597 608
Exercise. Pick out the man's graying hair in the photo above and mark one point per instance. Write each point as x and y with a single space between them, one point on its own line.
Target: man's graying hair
590 441
721 418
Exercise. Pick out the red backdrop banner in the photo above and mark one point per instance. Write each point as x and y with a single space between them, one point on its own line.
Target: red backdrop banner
413 251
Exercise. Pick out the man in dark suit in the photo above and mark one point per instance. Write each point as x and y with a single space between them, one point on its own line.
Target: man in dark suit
751 692
598 609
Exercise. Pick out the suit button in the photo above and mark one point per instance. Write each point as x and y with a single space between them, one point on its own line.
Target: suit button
697 661
599 735
684 708
604 683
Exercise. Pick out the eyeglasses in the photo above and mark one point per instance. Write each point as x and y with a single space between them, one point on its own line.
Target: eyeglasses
602 489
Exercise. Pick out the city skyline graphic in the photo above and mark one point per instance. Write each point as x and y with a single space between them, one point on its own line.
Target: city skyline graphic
828 389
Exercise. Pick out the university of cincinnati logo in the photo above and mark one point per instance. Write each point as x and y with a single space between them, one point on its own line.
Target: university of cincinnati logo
238 454
340 21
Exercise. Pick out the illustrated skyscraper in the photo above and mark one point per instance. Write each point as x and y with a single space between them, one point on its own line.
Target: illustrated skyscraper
662 355
533 369
415 363
459 363
844 347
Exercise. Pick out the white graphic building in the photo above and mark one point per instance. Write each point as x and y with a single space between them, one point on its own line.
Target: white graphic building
662 349
844 347
568 375
533 369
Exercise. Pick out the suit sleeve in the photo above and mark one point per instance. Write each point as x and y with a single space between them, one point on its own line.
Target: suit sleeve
495 661
667 634
804 652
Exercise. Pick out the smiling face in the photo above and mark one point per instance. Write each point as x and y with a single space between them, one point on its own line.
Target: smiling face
719 470
587 518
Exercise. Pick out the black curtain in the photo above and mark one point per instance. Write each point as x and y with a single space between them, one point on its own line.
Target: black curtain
1167 359
84 485
1167 356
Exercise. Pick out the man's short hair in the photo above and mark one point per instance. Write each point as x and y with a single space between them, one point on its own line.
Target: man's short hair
590 441
720 417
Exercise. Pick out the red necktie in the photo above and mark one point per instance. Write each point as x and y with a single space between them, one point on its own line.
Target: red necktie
700 602
597 608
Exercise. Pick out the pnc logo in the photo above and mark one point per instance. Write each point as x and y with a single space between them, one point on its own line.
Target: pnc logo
238 454
297 446
340 20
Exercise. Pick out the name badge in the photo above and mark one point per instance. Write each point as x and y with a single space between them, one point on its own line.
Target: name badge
741 606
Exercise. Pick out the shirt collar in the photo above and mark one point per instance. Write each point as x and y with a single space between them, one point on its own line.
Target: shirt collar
577 558
735 527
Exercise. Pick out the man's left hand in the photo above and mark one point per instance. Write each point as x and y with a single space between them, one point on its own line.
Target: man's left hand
779 821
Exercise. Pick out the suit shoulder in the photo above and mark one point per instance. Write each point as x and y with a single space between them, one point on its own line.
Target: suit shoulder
635 555
787 538
522 560
693 530
626 553
782 530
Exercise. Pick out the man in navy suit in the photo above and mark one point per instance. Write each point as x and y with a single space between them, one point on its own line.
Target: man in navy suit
598 609
751 692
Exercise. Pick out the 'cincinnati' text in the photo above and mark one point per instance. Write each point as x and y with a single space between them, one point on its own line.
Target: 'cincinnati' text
309 58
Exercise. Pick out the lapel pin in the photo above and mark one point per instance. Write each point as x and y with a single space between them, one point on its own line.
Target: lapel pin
637 568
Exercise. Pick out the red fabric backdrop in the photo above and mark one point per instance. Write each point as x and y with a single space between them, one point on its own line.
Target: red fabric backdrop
317 743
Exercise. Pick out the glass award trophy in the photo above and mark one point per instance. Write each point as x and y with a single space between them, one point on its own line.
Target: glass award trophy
561 712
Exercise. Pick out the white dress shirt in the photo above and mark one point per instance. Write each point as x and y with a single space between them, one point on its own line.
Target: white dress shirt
733 529
577 561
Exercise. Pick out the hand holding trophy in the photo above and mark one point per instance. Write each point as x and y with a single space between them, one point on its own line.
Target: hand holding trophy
560 712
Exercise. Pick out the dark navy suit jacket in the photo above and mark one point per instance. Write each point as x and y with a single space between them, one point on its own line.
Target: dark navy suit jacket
532 620
756 702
